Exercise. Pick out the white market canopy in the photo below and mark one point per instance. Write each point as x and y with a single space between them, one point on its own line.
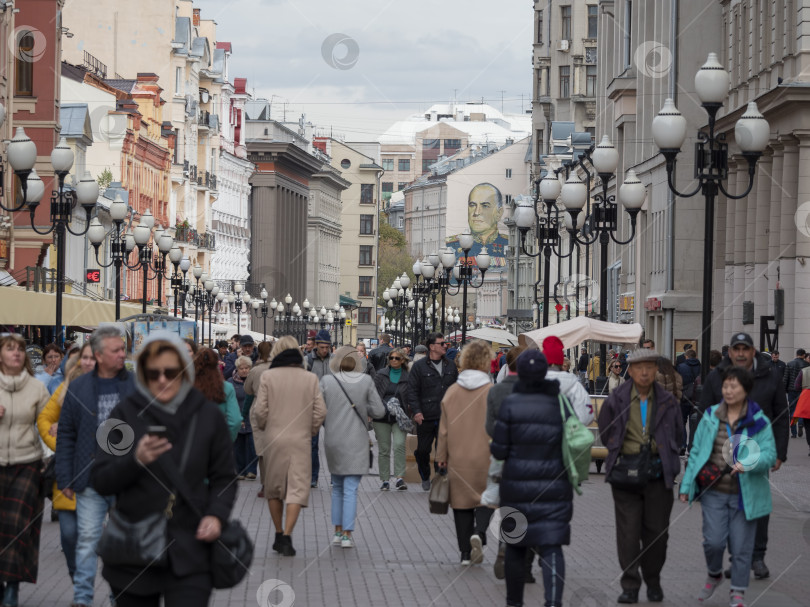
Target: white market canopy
493 335
577 330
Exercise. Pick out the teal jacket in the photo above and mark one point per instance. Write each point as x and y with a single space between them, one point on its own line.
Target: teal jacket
756 451
230 409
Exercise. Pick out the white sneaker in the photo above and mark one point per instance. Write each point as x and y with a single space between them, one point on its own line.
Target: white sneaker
336 538
346 542
477 552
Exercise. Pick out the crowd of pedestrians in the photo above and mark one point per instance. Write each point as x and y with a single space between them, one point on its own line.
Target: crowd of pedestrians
491 421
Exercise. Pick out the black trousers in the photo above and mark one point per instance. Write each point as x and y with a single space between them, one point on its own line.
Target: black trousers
190 591
761 539
552 563
642 531
468 522
427 433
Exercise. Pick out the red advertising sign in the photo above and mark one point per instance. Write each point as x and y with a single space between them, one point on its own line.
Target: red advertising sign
93 276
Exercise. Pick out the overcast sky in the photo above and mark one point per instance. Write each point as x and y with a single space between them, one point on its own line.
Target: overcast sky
358 66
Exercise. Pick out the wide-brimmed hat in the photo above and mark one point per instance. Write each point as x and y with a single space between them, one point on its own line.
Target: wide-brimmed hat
344 352
642 355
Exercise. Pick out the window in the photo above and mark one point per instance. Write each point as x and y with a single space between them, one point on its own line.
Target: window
345 163
367 193
628 41
364 290
388 164
24 84
178 81
364 315
590 55
539 27
565 81
452 144
426 162
387 186
590 81
404 164
593 18
366 253
509 173
402 185
565 13
400 218
430 144
367 224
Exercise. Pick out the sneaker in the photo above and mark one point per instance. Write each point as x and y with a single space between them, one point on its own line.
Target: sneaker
760 569
401 485
425 485
477 552
346 542
279 542
465 558
286 546
499 566
314 484
736 599
241 477
250 476
709 587
337 538
385 486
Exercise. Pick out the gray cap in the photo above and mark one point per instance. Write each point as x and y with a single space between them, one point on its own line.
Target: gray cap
642 356
420 349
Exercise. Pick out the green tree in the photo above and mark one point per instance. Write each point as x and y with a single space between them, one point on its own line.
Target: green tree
105 179
393 258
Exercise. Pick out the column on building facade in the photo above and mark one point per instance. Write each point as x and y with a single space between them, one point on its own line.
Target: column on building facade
723 252
763 281
745 209
735 270
788 190
801 291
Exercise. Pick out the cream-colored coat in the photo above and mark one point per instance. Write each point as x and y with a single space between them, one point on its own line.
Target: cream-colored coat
23 398
464 444
287 413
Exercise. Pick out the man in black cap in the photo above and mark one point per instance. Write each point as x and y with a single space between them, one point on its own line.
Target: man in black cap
246 348
318 363
769 393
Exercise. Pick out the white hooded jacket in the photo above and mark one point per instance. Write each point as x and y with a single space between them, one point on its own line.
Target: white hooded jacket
576 394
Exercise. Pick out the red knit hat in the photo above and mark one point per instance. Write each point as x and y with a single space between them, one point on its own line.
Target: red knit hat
553 349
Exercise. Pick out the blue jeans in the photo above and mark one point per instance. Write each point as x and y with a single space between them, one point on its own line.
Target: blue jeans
316 460
68 534
723 523
245 454
91 510
344 500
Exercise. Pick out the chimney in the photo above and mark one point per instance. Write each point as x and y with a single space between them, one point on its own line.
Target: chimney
196 19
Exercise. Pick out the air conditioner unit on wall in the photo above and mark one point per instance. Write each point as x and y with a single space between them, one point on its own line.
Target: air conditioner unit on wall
562 45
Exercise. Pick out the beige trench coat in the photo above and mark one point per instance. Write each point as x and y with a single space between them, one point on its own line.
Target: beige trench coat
287 413
464 444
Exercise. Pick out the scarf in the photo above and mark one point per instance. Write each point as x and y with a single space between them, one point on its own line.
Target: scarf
288 358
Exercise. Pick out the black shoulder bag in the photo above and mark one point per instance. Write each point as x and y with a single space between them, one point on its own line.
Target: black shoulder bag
141 543
362 421
232 552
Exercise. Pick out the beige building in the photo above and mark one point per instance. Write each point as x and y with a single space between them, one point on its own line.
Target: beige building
760 242
181 53
564 69
359 164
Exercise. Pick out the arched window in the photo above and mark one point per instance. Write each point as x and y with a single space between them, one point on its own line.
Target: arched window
24 65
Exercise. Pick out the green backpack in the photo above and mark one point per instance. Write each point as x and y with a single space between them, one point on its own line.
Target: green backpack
576 445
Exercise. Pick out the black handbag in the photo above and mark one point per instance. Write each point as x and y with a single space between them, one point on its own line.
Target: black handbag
144 542
232 552
633 472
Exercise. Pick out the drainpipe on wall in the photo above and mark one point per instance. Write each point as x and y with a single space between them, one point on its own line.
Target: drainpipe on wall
669 315
377 256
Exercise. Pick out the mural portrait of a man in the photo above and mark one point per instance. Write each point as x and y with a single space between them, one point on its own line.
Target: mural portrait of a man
484 211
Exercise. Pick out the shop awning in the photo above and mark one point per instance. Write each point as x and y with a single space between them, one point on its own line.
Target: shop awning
21 307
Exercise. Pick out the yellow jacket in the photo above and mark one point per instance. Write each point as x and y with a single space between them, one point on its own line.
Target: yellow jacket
593 367
46 419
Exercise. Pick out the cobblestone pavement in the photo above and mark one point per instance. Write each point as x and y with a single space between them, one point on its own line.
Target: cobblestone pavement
406 556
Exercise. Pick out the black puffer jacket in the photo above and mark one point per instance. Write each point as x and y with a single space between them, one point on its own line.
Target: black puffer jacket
768 392
386 390
528 437
426 388
142 491
379 356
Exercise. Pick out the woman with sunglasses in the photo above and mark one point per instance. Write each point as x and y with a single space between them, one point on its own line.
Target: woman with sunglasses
392 383
615 377
165 397
22 398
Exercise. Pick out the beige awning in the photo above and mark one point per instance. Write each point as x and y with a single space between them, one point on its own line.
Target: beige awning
21 307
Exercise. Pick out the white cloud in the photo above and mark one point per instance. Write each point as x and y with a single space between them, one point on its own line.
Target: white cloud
411 54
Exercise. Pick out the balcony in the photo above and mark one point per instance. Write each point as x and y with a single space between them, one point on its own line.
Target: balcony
192 173
207 120
212 181
208 241
187 234
202 180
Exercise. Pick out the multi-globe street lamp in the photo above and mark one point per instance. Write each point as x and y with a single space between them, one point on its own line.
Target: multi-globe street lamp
164 242
121 245
463 272
22 156
751 133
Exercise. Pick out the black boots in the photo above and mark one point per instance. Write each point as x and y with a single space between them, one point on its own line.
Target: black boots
286 546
